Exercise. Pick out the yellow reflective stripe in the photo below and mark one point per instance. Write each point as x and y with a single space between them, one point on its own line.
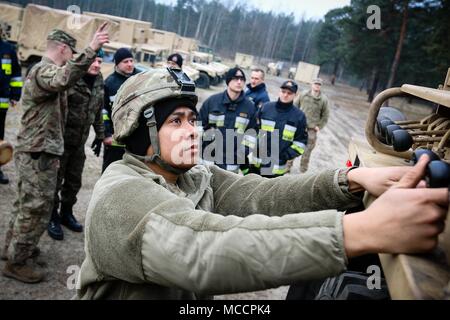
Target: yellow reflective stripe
16 84
289 132
4 103
267 125
245 171
241 124
6 66
217 119
298 147
254 160
115 144
105 115
249 141
279 169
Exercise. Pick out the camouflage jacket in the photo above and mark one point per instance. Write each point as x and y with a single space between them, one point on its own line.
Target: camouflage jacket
85 109
44 103
315 108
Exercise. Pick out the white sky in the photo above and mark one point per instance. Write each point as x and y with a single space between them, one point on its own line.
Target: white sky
315 9
312 8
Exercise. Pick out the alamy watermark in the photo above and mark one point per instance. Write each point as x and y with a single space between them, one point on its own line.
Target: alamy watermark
373 22
374 280
74 22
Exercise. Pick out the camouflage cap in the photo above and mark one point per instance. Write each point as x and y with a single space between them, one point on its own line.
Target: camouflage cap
317 81
140 92
61 36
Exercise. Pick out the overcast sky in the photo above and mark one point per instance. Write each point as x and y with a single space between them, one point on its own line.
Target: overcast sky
312 8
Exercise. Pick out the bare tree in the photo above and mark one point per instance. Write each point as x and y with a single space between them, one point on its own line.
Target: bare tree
401 40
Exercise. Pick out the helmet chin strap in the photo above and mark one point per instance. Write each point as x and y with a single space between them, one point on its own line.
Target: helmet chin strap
149 114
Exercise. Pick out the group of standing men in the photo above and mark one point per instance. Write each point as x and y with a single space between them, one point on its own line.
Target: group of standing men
254 135
63 96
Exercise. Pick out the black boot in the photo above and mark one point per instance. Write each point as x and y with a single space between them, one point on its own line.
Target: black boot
3 178
54 226
68 220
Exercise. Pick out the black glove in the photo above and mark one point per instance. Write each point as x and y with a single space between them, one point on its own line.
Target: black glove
97 146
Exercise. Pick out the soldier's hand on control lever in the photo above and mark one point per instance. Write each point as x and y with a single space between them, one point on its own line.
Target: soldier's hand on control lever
404 219
101 37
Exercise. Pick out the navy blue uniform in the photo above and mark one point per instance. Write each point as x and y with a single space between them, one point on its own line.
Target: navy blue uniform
286 124
219 114
10 81
115 151
258 94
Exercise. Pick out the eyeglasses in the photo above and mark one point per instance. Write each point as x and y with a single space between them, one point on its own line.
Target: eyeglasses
238 78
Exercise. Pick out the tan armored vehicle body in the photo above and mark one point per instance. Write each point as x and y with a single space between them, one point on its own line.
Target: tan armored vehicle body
411 276
243 60
32 39
138 30
10 18
186 44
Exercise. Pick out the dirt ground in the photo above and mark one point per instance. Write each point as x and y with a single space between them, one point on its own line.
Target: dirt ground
348 113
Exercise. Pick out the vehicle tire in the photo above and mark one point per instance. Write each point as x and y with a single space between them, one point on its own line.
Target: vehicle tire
202 81
401 140
214 81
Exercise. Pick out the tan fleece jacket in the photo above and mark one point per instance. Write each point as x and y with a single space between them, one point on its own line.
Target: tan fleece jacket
229 234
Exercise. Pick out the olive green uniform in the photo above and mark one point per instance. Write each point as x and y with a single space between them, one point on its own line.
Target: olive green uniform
85 109
317 112
40 144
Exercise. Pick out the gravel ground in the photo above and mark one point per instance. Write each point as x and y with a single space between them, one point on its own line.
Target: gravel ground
347 118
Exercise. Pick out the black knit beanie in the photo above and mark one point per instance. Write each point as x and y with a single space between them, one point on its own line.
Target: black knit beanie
122 54
164 108
232 73
177 58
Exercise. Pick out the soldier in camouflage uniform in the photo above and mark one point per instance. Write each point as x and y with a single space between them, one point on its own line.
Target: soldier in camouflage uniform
315 106
85 109
40 146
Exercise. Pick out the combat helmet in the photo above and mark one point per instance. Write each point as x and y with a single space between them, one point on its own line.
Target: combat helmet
139 95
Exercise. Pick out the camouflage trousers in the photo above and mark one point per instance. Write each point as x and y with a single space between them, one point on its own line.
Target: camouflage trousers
304 160
36 176
69 176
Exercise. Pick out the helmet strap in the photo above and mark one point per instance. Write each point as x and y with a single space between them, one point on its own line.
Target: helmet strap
149 114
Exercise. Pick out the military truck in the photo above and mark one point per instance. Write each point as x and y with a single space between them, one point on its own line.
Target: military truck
393 140
275 68
186 44
10 17
197 61
31 43
131 34
202 62
305 72
243 60
159 45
